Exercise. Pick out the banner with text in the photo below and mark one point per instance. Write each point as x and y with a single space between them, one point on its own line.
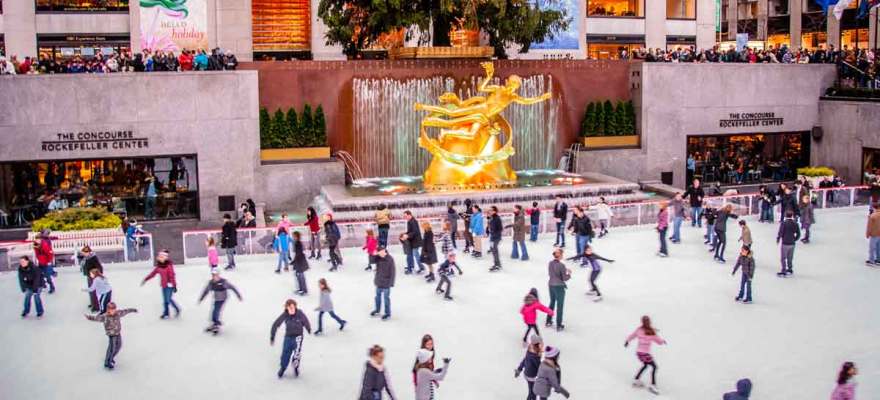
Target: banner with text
174 25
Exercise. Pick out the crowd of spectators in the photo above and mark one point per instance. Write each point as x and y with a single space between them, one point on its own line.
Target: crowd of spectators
148 61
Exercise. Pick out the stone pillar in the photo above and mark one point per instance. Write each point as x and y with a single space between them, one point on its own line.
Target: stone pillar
134 23
763 11
833 31
706 34
655 24
320 50
234 31
795 11
872 28
732 19
19 24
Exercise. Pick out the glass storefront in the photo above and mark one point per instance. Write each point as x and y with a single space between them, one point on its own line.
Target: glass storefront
143 188
611 51
81 5
681 9
748 158
85 46
854 38
814 40
615 8
870 166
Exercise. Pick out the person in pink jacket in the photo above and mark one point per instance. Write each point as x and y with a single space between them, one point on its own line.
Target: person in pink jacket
646 335
165 269
370 246
529 312
846 388
213 257
662 226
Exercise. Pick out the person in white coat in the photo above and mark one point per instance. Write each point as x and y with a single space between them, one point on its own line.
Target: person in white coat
604 215
427 377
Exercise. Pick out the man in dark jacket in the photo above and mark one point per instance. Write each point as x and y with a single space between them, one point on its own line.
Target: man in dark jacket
535 221
88 261
229 240
384 281
789 233
496 227
220 287
558 275
582 227
30 280
413 237
695 194
787 202
560 214
743 391
295 321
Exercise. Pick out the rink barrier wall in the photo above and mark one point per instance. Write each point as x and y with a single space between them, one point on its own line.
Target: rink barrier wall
110 246
258 241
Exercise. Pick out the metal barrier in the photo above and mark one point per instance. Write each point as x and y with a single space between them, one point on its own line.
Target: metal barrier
259 240
114 248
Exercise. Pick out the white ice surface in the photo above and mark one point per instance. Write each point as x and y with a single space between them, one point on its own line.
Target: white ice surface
790 342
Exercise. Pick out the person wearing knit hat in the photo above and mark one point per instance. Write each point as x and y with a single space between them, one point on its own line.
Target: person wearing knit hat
549 375
530 364
332 234
529 312
426 376
445 269
165 269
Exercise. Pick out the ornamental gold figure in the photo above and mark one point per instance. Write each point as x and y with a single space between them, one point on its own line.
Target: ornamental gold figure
468 152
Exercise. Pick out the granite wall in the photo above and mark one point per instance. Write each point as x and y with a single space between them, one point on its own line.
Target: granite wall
213 115
678 100
293 186
848 126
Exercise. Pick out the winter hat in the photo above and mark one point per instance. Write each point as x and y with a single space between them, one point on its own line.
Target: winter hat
424 355
551 352
535 339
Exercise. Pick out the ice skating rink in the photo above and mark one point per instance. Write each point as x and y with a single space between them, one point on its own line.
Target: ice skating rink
790 342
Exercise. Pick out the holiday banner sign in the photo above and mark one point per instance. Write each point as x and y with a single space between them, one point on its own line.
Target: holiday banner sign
174 25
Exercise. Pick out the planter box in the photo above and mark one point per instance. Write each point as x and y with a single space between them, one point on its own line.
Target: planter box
610 142
815 180
295 154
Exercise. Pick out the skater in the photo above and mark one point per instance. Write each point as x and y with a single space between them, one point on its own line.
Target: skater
383 223
220 288
429 251
314 224
229 240
529 312
846 388
213 257
743 390
384 281
747 262
466 221
720 243
788 234
370 245
678 217
452 218
333 236
710 215
30 280
45 259
560 214
295 322
582 228
300 264
646 335
808 217
590 259
281 245
413 237
426 377
447 249
559 274
549 375
326 306
496 227
88 261
165 269
787 202
604 214
695 195
745 235
872 233
534 221
101 288
376 379
767 199
530 364
112 321
445 270
519 234
478 230
662 226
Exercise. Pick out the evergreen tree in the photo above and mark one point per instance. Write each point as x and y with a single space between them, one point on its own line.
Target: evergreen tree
620 118
586 123
610 124
279 131
320 128
265 128
295 138
600 120
306 125
630 114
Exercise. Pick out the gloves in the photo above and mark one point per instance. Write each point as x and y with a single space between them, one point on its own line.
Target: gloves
516 373
564 392
447 360
174 290
626 344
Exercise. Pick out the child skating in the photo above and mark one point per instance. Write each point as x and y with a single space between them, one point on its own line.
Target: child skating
604 214
747 262
549 377
591 260
446 269
219 287
529 312
529 365
112 321
213 256
101 288
447 247
300 264
646 335
326 306
281 245
370 246
167 281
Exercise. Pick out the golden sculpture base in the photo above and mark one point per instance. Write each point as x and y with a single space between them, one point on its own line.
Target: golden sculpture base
440 52
444 175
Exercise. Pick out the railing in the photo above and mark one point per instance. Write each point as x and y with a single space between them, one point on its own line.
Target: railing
255 241
110 248
852 82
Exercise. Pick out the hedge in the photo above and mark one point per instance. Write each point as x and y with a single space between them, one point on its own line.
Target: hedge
604 118
76 219
816 171
289 129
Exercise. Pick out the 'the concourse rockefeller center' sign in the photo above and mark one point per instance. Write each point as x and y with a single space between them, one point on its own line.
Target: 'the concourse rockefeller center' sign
751 119
94 141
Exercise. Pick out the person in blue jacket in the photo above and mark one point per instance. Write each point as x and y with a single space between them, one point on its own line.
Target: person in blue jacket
478 230
282 247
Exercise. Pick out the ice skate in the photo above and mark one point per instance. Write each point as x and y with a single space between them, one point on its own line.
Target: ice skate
592 293
598 298
342 325
638 383
653 389
447 297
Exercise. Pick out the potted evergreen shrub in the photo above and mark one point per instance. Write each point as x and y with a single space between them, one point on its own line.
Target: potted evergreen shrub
815 174
609 126
289 136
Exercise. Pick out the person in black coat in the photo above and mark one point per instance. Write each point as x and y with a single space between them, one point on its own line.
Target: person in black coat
295 322
88 261
429 251
695 194
413 236
720 243
376 379
560 214
229 240
30 280
494 230
333 235
384 281
788 235
787 203
300 264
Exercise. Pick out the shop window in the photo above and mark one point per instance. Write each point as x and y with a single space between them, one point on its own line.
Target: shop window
142 188
747 10
748 158
779 39
681 9
281 26
778 7
612 51
814 40
81 5
871 167
615 8
854 38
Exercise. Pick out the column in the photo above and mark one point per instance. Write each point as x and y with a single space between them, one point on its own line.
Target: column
20 26
655 24
706 34
872 29
234 30
833 31
732 19
795 11
320 50
763 9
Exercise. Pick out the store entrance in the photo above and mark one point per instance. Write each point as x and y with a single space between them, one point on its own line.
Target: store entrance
744 159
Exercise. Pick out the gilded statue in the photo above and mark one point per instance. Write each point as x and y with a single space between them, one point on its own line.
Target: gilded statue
468 152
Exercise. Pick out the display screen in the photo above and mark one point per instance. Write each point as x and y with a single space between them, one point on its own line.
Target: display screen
81 5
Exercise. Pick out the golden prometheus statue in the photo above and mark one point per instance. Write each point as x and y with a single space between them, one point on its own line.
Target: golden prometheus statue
468 152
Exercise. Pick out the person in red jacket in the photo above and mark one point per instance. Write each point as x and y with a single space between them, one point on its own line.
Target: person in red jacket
165 269
46 259
185 60
314 225
529 312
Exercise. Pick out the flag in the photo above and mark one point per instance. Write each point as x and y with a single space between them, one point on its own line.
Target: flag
840 7
825 4
866 6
